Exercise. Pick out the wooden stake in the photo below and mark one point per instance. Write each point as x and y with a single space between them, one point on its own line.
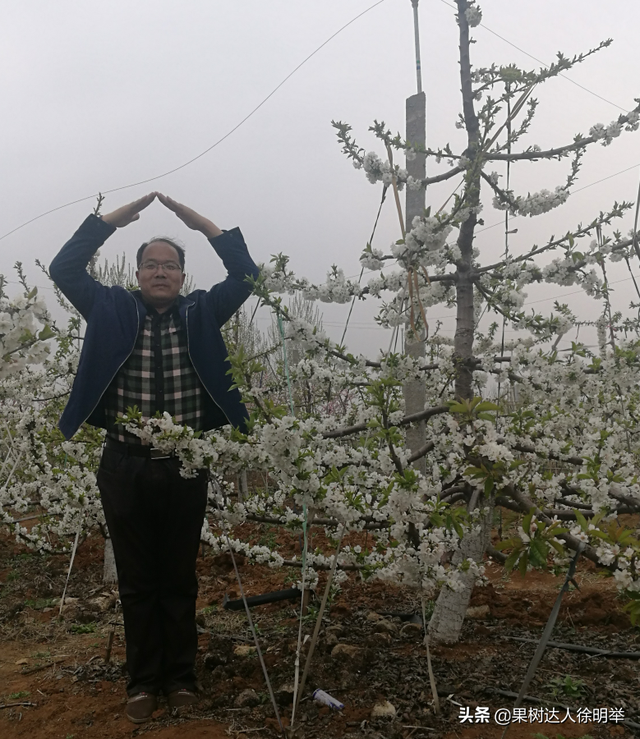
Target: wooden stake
306 595
107 654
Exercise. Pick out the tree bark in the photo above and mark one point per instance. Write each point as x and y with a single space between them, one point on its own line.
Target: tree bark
465 324
448 615
451 606
109 572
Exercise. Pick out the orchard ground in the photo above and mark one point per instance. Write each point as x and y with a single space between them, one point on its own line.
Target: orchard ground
54 681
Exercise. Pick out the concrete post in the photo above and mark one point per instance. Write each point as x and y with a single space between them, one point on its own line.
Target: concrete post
414 391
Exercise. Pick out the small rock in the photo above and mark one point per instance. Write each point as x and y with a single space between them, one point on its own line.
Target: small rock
345 650
411 630
340 610
379 639
385 627
383 709
102 603
482 631
218 673
478 612
247 699
84 616
331 639
71 611
23 661
200 620
284 695
292 646
69 600
213 659
244 650
373 616
335 629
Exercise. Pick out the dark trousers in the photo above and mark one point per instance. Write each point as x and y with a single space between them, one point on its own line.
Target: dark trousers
155 518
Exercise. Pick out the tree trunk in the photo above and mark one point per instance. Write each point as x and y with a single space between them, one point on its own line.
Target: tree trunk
448 615
451 607
109 572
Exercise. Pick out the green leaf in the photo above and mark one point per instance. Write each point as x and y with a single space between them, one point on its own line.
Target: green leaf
511 560
508 543
457 407
46 333
526 521
581 520
522 565
486 406
557 546
539 550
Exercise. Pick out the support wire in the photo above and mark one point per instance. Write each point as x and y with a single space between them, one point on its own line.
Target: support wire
416 30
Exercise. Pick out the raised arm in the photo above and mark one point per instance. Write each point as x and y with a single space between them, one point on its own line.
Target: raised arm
227 296
190 218
69 267
130 212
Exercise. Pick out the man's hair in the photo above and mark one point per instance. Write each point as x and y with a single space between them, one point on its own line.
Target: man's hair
165 240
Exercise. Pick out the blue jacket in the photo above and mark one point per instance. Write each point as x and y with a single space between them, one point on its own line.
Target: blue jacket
114 316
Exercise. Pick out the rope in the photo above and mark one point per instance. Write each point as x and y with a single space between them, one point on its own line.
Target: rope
296 678
297 692
544 64
66 584
304 533
546 634
375 226
432 677
286 365
213 146
506 229
635 223
255 636
316 630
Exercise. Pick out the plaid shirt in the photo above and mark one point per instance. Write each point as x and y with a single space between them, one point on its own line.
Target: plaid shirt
157 376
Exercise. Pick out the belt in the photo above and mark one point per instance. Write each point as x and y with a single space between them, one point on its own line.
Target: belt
136 450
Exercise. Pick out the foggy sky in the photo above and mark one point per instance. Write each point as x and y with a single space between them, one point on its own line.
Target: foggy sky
100 95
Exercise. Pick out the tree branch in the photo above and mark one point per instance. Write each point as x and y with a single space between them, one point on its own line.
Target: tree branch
422 415
442 177
560 151
419 453
569 539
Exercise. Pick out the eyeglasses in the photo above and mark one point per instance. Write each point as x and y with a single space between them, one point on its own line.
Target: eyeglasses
152 266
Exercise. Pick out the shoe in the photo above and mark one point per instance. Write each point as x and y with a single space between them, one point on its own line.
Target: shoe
181 698
140 707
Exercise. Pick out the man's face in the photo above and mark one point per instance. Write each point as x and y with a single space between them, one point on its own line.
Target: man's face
159 285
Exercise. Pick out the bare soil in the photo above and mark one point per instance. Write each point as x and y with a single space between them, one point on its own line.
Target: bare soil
55 682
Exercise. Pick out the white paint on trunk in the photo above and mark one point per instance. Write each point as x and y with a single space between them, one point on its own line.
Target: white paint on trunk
109 572
451 606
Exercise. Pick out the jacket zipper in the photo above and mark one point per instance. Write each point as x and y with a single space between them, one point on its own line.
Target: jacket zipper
121 365
186 320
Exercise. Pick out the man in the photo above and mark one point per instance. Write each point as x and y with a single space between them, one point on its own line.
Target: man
160 351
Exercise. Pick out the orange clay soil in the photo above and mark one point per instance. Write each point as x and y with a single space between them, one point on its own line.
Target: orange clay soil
55 683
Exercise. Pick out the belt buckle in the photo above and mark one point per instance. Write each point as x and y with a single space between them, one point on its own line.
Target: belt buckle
158 454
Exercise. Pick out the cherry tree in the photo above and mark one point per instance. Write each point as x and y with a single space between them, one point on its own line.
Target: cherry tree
554 437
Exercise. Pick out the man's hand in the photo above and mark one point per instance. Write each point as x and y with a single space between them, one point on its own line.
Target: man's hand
190 218
126 214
